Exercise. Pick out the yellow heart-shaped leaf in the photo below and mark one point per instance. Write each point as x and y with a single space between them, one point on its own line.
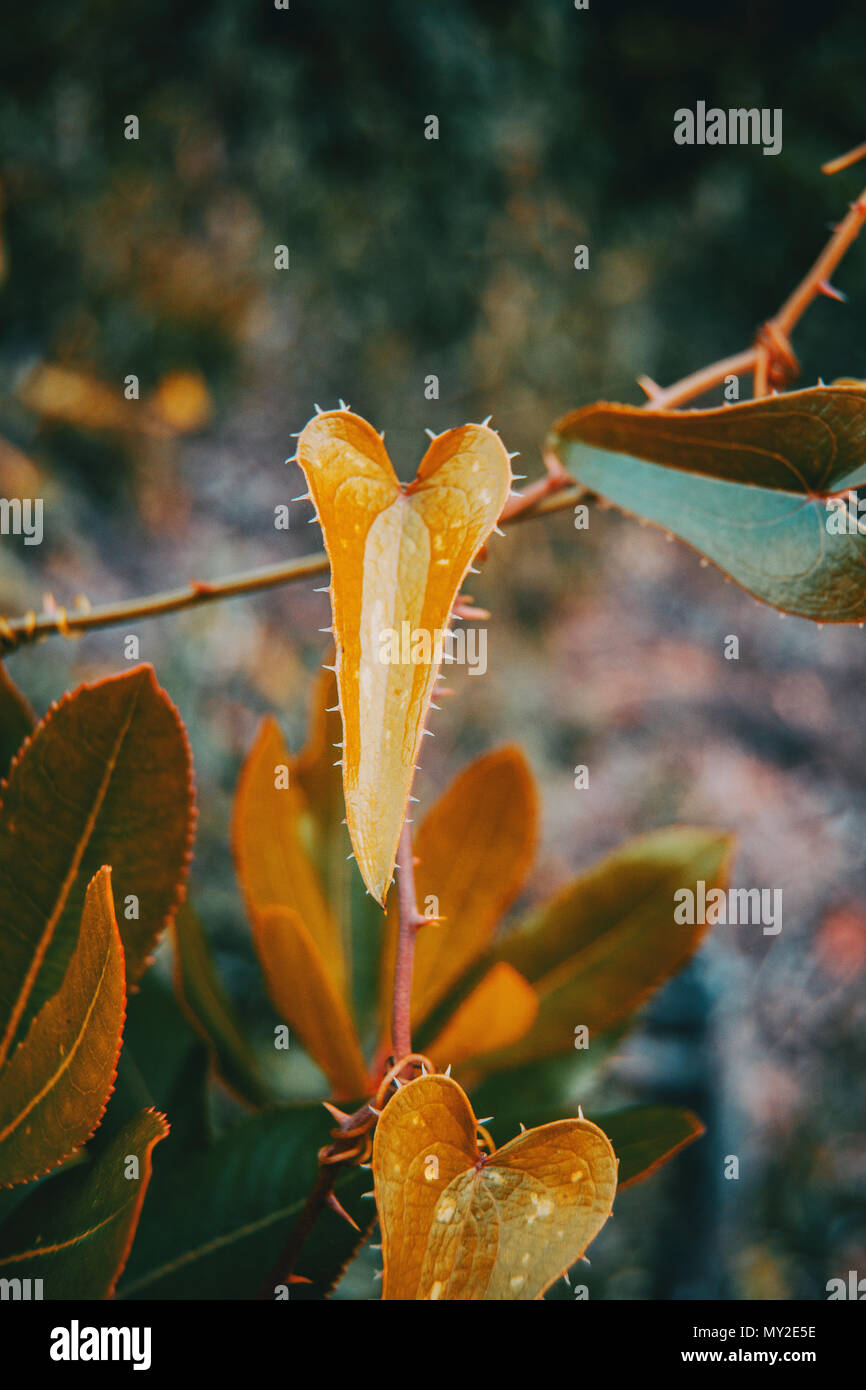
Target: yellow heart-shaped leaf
398 557
458 1223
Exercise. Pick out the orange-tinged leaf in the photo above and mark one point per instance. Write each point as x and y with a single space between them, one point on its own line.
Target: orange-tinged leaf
463 1225
758 487
327 838
474 849
75 1232
648 1136
55 1086
105 779
274 867
303 992
398 557
314 769
16 719
498 1012
597 950
800 442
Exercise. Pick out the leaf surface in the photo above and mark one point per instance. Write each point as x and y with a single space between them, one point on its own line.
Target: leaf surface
499 1011
16 719
55 1085
398 557
210 1010
597 950
274 867
647 1136
358 914
75 1231
474 849
105 779
215 1223
302 993
746 486
456 1225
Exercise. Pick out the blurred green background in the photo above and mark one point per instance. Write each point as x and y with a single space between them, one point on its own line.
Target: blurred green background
155 257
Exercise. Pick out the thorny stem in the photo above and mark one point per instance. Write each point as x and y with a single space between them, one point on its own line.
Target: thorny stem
770 359
351 1130
20 632
410 922
283 1270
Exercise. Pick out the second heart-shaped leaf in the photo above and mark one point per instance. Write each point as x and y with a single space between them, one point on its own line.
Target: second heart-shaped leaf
460 1224
398 557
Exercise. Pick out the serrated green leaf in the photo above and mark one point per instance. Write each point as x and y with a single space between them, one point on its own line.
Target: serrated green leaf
16 719
75 1231
54 1087
205 1001
105 779
647 1136
164 1065
215 1223
598 949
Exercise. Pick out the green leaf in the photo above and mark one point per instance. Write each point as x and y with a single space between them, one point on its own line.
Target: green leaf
745 485
646 1136
105 779
206 1003
74 1232
16 719
541 1091
164 1065
54 1087
597 950
215 1224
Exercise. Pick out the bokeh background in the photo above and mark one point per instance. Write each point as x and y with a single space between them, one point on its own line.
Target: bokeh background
455 257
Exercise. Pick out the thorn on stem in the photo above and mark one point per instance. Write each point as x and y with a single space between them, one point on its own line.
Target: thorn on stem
336 1205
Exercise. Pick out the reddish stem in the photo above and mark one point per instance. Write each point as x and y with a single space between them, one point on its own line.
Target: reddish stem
410 921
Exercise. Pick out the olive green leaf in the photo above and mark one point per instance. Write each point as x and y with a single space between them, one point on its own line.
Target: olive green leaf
16 719
759 488
104 779
596 951
75 1231
54 1087
215 1223
211 1013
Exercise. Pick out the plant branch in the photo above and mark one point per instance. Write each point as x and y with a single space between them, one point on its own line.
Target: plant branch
770 359
411 921
18 632
55 621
